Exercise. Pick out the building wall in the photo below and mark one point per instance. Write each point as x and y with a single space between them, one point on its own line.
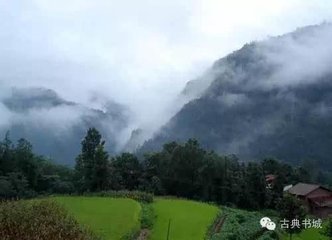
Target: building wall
322 212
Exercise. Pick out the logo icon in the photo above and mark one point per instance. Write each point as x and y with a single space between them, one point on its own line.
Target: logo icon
267 223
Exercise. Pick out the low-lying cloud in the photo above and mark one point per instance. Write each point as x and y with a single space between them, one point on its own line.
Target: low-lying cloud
140 54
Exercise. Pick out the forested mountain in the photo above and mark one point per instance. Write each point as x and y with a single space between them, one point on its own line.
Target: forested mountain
270 98
55 126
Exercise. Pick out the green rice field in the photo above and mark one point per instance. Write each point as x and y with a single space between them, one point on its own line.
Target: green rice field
188 220
110 218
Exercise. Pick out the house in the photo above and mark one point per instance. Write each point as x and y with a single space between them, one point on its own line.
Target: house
317 199
270 180
286 188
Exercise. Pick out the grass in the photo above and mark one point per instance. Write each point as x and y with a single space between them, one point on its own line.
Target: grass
111 218
189 220
308 234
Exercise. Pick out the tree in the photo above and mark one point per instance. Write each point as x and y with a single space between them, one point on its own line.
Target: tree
19 184
23 174
101 169
26 163
91 164
6 188
256 185
327 231
290 208
7 163
186 162
126 171
270 166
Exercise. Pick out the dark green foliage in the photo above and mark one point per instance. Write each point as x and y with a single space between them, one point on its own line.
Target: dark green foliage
92 164
148 216
6 188
241 225
291 208
187 170
132 234
23 174
242 112
327 231
46 140
256 185
25 161
183 170
126 172
39 219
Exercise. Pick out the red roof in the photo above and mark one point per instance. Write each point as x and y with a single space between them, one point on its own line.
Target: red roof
270 177
303 189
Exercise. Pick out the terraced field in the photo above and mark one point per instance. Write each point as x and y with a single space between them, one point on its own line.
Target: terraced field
188 220
111 218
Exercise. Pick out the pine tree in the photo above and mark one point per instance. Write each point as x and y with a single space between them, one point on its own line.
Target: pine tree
92 164
101 169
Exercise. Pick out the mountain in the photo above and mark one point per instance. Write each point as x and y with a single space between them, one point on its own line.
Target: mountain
55 126
136 138
269 99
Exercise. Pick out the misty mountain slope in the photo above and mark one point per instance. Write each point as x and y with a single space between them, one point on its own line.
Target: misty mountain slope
55 126
270 98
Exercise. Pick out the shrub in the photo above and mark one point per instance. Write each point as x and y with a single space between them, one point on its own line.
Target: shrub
13 186
147 219
39 220
242 225
6 189
132 234
148 216
62 187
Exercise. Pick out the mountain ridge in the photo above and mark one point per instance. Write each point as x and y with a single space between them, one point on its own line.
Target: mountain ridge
56 126
265 100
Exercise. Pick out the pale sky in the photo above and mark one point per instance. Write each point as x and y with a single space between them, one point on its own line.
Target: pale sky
139 53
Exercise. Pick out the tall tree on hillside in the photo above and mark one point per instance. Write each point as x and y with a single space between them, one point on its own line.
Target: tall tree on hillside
255 183
6 155
126 171
91 163
26 163
101 169
291 209
183 168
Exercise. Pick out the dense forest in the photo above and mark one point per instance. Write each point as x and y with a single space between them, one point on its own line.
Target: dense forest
182 170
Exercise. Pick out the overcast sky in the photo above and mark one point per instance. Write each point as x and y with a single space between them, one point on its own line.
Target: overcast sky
139 53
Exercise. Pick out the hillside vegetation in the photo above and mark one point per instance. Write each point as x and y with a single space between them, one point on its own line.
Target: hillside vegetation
270 98
184 170
40 220
104 188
